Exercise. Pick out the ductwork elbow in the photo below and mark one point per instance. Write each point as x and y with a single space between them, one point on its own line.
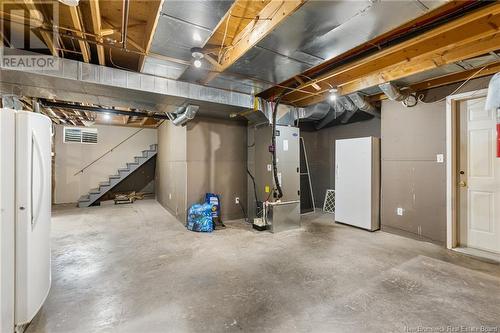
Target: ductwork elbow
347 104
361 102
188 114
314 112
336 110
392 92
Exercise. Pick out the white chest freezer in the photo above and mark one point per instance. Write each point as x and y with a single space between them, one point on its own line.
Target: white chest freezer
357 182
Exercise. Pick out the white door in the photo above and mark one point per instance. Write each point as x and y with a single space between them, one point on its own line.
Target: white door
479 177
33 205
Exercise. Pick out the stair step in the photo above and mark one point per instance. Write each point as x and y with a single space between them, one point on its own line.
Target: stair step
84 198
96 193
140 159
132 165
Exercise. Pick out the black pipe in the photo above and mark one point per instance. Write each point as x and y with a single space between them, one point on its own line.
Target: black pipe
254 186
49 104
275 167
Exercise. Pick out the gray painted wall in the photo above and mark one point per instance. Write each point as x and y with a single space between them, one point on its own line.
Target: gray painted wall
206 155
320 149
216 162
171 169
411 177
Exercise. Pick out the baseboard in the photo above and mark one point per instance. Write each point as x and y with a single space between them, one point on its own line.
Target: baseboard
408 234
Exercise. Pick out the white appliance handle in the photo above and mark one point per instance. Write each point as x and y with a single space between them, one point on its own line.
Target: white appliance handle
36 147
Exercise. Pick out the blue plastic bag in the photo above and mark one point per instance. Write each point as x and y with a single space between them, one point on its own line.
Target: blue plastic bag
200 218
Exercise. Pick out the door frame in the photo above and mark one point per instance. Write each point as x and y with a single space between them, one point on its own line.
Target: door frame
452 218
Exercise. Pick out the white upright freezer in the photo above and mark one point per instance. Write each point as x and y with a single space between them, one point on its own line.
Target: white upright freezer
25 215
357 182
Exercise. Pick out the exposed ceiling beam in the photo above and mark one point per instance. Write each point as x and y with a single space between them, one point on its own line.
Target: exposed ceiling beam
421 23
444 80
46 36
69 106
268 18
150 29
95 12
75 18
129 40
254 30
469 36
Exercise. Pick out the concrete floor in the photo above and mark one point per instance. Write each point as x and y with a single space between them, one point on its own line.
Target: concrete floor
133 268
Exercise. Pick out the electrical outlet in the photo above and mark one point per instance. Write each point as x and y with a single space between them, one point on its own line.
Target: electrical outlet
237 200
400 211
440 158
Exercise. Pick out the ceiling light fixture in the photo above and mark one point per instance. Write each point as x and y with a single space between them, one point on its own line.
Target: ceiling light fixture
106 116
334 94
196 37
197 54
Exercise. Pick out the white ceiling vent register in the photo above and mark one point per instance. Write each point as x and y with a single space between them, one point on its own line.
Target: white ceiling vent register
80 135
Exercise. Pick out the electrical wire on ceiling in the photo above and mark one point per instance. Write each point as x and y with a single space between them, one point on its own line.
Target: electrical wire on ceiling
223 38
421 96
233 44
256 18
113 63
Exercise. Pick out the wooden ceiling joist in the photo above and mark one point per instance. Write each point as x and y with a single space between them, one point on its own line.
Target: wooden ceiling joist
267 19
47 37
95 12
151 27
243 26
463 38
444 80
75 18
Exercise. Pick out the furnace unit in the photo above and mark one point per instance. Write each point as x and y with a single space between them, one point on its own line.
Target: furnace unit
269 211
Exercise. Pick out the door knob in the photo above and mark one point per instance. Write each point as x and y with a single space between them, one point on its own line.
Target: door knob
462 184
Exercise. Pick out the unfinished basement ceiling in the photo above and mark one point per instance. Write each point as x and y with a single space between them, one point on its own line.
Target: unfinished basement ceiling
181 26
313 34
317 31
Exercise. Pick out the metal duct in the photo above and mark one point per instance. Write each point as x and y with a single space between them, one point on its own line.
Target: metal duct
50 104
314 112
336 110
36 105
362 104
347 116
392 92
346 103
11 102
94 84
188 114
